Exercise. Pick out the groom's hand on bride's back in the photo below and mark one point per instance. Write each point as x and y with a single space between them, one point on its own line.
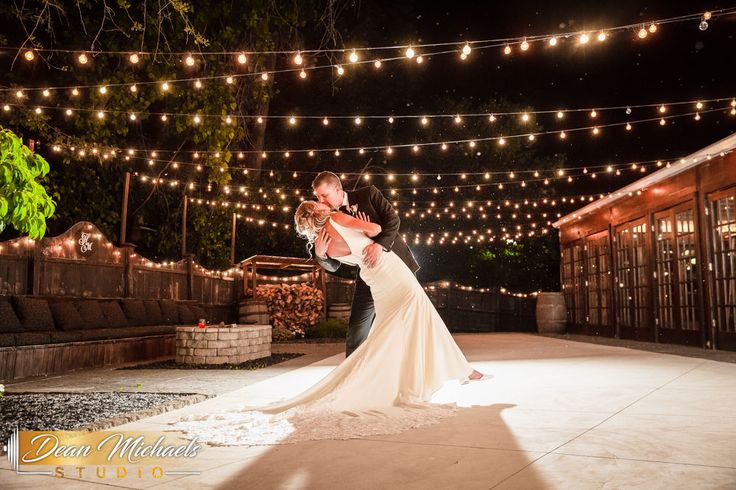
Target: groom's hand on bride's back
371 254
322 243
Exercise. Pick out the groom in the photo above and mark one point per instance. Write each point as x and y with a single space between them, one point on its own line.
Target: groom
369 200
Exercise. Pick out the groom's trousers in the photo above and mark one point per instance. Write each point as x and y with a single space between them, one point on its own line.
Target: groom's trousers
361 316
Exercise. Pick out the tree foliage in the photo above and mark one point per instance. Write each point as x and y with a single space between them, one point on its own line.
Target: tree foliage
24 203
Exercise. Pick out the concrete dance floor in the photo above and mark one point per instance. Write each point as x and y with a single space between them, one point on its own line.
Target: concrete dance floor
558 414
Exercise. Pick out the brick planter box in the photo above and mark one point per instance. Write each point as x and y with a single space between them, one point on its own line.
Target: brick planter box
220 345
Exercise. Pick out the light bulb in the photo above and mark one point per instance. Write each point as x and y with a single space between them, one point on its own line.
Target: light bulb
409 52
628 126
601 36
38 110
707 15
642 33
553 41
593 114
302 74
389 150
75 92
662 109
377 63
264 76
197 84
596 130
466 49
507 49
652 28
298 60
491 118
6 107
132 117
292 120
325 121
584 38
228 120
68 112
560 115
420 59
358 121
46 93
458 120
391 120
103 90
100 115
134 88
353 57
229 80
242 59
524 45
340 70
197 119
525 117
532 137
165 86
501 141
83 59
259 120
699 105
189 60
563 135
697 116
424 121
29 56
703 25
444 146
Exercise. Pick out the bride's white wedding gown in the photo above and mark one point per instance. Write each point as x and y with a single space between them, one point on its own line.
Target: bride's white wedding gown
383 387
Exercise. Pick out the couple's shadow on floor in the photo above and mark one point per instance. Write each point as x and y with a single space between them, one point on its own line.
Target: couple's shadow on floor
473 448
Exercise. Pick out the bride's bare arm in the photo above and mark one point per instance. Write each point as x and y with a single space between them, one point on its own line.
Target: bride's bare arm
370 229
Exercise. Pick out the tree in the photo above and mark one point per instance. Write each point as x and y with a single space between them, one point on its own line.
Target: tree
24 203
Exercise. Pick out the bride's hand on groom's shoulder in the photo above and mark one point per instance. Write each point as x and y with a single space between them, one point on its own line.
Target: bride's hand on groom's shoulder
376 228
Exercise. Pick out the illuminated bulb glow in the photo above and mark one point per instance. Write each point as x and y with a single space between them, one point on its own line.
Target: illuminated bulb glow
602 36
642 33
83 59
377 63
409 52
553 41
353 57
507 49
584 38
242 59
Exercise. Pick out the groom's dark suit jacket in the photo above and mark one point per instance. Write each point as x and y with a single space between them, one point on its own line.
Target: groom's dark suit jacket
370 201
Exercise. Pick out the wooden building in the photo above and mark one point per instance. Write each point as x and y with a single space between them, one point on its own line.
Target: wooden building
656 260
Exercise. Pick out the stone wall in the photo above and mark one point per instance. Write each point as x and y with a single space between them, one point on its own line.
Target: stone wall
220 345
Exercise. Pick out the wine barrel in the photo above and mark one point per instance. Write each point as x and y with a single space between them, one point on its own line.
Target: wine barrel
340 311
551 313
254 311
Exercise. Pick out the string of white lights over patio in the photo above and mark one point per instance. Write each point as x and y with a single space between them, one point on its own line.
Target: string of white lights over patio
416 52
93 150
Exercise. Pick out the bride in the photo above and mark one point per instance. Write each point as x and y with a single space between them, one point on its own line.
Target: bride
386 384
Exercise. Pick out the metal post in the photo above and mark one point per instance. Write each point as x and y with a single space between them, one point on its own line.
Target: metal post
184 228
124 221
232 240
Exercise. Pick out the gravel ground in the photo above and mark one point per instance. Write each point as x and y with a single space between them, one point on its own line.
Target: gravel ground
247 365
80 411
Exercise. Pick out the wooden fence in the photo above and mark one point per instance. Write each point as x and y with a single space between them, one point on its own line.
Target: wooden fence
81 262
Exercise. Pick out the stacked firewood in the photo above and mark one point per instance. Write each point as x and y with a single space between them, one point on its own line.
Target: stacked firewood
293 308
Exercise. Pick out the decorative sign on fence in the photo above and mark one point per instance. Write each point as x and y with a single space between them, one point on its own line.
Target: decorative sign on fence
86 246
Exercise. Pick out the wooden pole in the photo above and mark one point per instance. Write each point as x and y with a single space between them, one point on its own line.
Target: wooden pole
184 228
232 239
124 221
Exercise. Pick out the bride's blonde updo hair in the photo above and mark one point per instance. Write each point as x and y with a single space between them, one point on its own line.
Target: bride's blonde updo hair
309 220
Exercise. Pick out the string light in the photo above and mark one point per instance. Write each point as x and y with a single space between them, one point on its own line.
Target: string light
242 58
29 55
643 33
553 41
584 38
82 59
409 53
